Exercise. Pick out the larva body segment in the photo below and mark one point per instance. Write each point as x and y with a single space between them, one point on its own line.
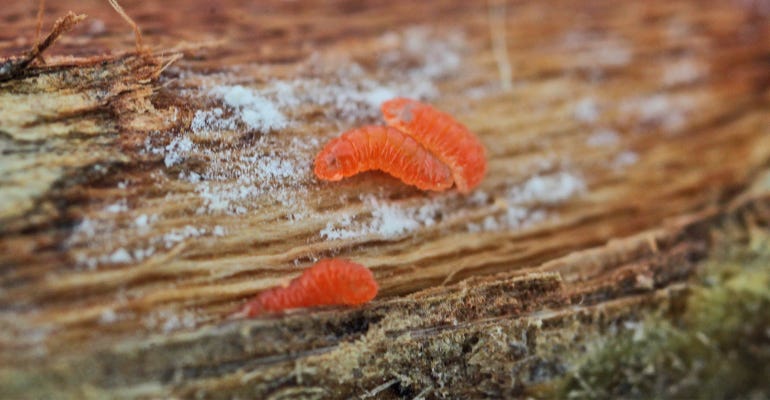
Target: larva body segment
443 136
328 282
385 149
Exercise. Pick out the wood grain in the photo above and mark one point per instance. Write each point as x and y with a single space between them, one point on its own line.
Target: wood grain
132 227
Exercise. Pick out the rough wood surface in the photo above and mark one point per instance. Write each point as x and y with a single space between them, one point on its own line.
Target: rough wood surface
145 197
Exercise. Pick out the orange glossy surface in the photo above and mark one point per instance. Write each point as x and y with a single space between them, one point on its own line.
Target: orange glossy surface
328 282
385 149
443 136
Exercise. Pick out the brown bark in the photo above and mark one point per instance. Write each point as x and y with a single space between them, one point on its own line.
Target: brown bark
629 132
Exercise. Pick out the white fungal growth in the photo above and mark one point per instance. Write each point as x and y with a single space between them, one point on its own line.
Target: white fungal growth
177 150
547 189
586 110
386 220
243 107
603 138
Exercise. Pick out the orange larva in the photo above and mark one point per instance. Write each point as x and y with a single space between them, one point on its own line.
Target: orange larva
386 149
328 282
443 136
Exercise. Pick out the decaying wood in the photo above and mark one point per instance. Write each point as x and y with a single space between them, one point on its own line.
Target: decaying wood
135 218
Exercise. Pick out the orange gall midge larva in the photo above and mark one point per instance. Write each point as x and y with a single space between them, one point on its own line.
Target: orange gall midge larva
328 282
443 136
385 149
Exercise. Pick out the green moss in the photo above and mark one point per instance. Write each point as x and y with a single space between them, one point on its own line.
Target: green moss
718 346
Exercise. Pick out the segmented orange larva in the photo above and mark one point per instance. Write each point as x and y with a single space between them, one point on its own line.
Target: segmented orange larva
386 149
444 137
328 282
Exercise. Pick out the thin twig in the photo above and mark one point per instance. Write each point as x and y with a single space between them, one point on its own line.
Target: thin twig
40 9
423 393
137 32
373 392
39 28
168 63
499 46
64 24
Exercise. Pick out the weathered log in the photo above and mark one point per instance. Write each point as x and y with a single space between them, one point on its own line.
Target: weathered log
146 196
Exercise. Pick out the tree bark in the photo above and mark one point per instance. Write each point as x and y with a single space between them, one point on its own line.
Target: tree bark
148 194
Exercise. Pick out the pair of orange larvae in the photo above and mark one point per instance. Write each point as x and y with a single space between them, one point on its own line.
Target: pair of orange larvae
421 146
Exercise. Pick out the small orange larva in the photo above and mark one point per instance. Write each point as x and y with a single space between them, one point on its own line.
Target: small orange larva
328 282
386 149
443 136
